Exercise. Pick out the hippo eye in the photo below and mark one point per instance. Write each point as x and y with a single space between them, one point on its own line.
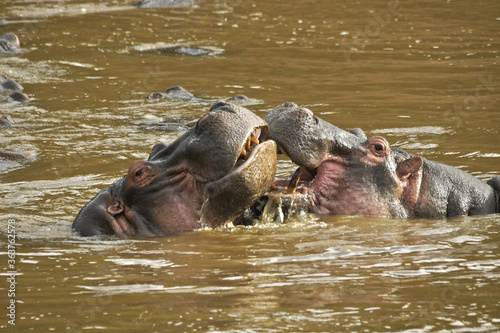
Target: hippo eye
378 146
139 173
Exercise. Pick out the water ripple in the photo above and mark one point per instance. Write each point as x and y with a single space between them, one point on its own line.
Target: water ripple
335 253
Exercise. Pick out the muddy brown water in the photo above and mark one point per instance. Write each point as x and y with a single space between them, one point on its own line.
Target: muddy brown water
424 74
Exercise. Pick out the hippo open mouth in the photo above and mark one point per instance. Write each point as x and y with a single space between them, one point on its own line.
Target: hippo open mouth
255 143
251 146
254 161
347 173
306 178
208 177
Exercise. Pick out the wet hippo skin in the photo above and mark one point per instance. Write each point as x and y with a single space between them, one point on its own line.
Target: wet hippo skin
9 84
6 120
18 96
206 178
9 44
347 173
175 92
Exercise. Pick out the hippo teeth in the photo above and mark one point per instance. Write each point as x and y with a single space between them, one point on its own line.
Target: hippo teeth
247 147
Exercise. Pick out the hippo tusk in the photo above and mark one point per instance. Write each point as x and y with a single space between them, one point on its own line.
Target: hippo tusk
294 181
248 144
243 153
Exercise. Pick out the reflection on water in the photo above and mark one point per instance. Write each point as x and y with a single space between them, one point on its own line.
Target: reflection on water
343 272
423 75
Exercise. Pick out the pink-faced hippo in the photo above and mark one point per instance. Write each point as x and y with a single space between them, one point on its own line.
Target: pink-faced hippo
347 173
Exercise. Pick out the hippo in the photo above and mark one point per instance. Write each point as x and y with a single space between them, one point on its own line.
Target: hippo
18 96
207 177
175 92
347 173
179 93
8 84
9 44
6 120
179 49
239 99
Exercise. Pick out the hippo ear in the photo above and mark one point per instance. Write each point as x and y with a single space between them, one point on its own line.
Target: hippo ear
408 167
359 133
157 148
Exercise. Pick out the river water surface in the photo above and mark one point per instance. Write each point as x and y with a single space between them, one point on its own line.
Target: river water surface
424 74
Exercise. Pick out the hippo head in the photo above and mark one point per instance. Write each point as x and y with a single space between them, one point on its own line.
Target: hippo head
9 43
18 96
6 120
207 177
175 92
344 172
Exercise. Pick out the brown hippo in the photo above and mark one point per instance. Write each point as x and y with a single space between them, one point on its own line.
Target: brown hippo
347 173
206 178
